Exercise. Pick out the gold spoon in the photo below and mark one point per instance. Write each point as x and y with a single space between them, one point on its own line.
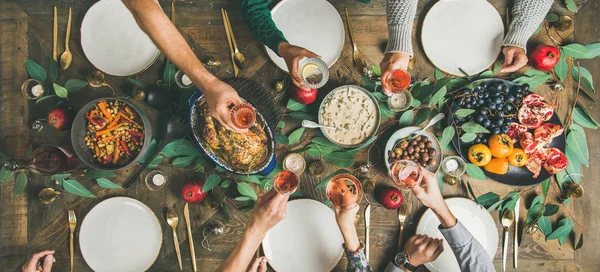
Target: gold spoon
66 57
507 220
173 220
238 56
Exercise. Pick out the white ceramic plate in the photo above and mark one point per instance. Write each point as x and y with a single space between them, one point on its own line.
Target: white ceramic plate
313 24
465 34
476 219
113 42
403 132
307 239
120 234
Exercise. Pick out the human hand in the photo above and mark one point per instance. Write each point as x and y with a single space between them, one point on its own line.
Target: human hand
428 192
393 61
259 265
33 265
219 96
514 58
292 55
423 249
269 209
345 218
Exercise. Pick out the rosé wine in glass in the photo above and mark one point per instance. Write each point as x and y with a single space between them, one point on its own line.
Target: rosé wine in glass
405 174
344 191
396 82
286 182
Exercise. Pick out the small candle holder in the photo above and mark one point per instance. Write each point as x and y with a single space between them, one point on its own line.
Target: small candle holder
314 72
295 163
454 166
399 101
32 89
155 180
182 80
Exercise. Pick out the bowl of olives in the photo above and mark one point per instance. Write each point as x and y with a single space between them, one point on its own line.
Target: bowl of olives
424 149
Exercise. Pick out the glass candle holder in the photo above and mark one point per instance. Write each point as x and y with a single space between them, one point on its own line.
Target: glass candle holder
399 101
295 163
243 115
454 166
182 80
32 89
155 180
314 72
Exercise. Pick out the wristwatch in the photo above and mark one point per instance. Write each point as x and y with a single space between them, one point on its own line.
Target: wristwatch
401 260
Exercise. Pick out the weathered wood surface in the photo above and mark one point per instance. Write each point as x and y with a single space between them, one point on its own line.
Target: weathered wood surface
27 226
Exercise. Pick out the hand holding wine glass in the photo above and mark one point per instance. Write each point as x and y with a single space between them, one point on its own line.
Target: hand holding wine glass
428 192
270 208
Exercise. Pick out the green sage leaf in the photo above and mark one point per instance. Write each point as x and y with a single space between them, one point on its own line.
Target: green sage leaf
74 187
447 135
35 70
294 137
406 118
105 183
246 190
75 85
60 91
473 127
20 183
212 181
581 117
475 172
545 225
577 142
575 50
464 112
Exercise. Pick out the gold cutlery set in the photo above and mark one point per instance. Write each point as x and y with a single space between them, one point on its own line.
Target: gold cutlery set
508 218
72 225
237 58
66 57
173 220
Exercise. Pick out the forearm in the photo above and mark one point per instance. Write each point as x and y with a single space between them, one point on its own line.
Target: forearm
152 20
400 18
443 213
258 18
242 254
350 238
469 253
527 15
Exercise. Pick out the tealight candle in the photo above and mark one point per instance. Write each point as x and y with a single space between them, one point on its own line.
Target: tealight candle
158 179
155 180
185 79
182 80
399 101
294 162
451 165
37 90
32 89
454 166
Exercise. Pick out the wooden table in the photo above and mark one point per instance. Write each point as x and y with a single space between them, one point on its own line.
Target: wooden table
27 226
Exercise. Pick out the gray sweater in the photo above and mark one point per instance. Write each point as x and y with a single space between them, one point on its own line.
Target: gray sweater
526 17
469 253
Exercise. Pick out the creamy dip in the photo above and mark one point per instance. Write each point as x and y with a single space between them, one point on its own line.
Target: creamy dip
353 112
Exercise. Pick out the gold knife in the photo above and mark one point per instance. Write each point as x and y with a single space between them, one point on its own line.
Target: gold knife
172 12
186 215
55 36
367 229
226 25
516 238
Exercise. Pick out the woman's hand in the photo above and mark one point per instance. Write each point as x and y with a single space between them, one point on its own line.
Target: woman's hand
393 61
514 58
33 265
219 96
270 208
422 249
292 55
345 220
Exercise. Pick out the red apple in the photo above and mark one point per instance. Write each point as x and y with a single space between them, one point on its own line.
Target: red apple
391 198
191 192
544 57
304 96
60 118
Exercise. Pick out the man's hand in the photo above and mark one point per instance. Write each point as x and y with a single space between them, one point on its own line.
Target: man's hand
428 192
393 61
270 208
259 265
219 96
423 249
514 59
33 265
292 55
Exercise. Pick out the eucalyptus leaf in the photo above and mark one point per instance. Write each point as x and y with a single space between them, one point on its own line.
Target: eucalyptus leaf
342 159
577 142
219 169
580 243
156 161
495 205
567 201
282 139
74 85
464 112
105 183
550 210
35 70
294 137
324 182
456 83
486 74
95 173
587 80
20 183
281 125
59 176
406 118
225 184
473 127
182 162
74 187
298 115
545 186
376 70
566 226
169 74
242 198
365 144
440 180
421 116
593 50
581 117
384 111
572 172
246 190
437 74
52 69
447 135
534 81
137 83
537 200
468 137
545 225
199 165
379 96
561 67
28 151
187 148
470 190
571 6
5 174
575 50
488 199
212 181
438 96
533 213
253 179
294 105
60 91
475 172
44 98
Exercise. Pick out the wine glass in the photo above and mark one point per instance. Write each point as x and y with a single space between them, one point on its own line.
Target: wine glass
405 174
396 82
242 115
286 182
344 191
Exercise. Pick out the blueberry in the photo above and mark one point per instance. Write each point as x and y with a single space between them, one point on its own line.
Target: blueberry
509 108
517 90
474 103
505 89
477 140
468 100
478 88
496 131
492 106
486 123
484 112
479 118
510 99
480 95
484 140
495 93
498 86
499 122
518 95
498 101
500 114
484 85
525 87
468 106
486 95
504 129
463 92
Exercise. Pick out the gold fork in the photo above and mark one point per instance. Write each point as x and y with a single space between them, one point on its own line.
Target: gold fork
402 211
355 53
72 225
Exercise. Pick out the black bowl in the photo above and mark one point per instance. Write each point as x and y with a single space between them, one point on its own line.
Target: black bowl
79 131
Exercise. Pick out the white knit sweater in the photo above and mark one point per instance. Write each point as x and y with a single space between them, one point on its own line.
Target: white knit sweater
526 17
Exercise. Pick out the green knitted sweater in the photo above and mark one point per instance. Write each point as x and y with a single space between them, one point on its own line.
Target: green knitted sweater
258 17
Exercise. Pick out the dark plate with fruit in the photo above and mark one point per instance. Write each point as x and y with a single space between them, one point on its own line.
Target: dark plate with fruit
496 103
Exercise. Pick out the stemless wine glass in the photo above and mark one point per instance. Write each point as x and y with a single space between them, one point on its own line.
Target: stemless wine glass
344 191
286 182
396 82
314 72
242 115
405 174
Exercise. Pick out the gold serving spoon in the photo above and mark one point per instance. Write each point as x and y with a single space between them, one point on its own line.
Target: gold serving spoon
173 220
508 217
67 57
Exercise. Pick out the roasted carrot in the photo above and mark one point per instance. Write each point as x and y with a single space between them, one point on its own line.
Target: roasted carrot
102 105
114 122
108 130
122 115
117 155
109 138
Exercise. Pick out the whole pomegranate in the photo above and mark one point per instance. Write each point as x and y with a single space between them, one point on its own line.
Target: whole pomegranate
191 192
60 118
544 57
304 96
391 198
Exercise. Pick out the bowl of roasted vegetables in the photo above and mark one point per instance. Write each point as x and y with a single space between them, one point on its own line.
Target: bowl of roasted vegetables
110 134
247 153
